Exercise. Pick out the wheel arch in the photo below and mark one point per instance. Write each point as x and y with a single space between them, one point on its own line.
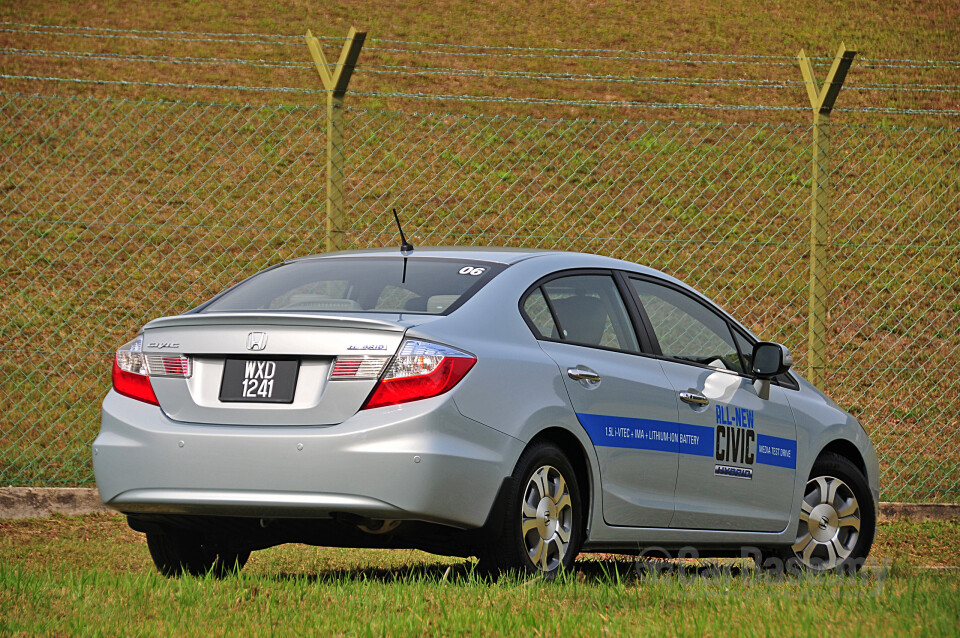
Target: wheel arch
849 451
571 446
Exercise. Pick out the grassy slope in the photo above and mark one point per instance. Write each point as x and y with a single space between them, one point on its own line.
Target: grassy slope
913 30
113 213
92 576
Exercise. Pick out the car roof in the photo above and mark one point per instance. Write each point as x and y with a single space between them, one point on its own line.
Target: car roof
500 255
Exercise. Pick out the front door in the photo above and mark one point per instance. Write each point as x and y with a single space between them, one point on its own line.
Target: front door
739 454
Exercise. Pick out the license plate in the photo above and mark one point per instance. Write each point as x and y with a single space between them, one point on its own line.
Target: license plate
259 381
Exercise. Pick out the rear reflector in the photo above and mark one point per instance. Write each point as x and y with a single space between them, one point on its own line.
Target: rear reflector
164 365
358 367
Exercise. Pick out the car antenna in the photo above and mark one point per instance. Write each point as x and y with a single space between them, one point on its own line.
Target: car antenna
405 247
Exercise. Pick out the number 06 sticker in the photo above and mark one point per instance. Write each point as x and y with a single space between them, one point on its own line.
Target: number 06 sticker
472 271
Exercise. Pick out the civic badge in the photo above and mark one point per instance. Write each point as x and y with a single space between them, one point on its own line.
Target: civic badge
257 341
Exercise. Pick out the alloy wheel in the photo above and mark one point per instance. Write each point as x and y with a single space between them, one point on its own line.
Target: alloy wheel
546 518
829 523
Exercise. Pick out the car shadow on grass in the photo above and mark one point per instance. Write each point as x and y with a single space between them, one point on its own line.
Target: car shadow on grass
585 571
407 573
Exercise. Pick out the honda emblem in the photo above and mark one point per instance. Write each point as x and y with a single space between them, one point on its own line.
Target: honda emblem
257 341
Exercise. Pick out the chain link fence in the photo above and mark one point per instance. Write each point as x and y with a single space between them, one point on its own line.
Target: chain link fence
117 211
725 208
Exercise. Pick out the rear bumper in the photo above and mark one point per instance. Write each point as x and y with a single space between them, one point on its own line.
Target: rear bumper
418 461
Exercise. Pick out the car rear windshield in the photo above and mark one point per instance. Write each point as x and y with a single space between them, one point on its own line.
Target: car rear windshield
426 285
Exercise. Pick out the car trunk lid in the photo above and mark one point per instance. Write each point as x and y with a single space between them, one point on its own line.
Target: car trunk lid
270 368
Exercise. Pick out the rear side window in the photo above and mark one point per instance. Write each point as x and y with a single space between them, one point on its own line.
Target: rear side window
582 309
356 284
535 307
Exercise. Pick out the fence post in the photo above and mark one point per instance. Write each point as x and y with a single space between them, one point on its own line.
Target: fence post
822 101
335 84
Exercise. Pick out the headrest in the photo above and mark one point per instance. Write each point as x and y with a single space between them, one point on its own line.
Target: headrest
582 319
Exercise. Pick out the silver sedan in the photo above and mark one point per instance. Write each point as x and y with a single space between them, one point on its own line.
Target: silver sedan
518 406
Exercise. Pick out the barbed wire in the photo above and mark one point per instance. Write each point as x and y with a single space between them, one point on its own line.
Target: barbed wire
635 58
155 31
168 101
578 77
657 105
896 110
487 73
377 40
941 88
421 96
153 37
486 98
561 102
631 79
139 57
274 89
463 49
162 101
933 64
459 49
638 57
581 50
402 69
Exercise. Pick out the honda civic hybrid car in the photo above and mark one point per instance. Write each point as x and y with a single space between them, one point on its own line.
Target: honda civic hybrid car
517 406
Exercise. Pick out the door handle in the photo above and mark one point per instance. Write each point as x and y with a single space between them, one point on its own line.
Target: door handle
693 398
581 373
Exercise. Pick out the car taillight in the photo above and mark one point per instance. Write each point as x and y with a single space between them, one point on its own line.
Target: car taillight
130 374
420 370
132 370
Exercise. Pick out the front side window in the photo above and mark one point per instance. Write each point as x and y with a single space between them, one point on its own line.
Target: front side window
686 329
355 284
583 309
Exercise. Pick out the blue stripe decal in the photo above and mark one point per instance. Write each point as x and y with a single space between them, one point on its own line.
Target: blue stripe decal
628 432
683 438
696 440
773 450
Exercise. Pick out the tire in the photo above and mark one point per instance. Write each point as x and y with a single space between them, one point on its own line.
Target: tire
543 518
176 553
837 520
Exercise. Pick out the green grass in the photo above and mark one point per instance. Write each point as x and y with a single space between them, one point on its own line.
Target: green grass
92 576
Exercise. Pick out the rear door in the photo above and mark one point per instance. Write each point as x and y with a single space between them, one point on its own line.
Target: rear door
622 399
737 462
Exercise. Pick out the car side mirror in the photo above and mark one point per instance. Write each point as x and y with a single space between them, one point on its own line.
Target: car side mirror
770 360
